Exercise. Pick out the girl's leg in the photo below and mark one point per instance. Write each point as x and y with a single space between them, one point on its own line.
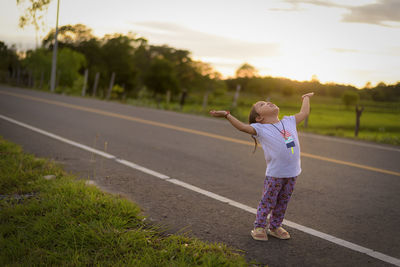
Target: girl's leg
272 186
282 201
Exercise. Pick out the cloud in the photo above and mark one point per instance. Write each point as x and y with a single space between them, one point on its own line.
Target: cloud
295 4
381 13
314 2
344 50
377 13
205 44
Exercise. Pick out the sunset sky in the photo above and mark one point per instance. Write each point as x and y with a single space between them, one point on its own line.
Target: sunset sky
342 41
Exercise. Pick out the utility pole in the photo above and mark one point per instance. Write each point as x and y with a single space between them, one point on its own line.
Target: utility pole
54 62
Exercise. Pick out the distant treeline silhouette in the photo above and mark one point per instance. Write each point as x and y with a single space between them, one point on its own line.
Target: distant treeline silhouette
127 65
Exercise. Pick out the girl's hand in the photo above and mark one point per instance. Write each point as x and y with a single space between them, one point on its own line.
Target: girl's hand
220 113
309 95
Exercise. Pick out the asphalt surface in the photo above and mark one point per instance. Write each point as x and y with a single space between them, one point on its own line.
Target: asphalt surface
355 204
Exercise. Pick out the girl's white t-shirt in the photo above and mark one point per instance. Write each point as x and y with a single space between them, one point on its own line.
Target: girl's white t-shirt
282 154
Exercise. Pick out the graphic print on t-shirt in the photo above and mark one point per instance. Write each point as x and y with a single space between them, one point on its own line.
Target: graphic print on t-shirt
289 141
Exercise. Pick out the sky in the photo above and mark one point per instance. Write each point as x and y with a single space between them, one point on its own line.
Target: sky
347 42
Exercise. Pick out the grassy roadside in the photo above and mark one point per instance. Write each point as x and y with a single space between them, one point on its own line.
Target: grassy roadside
62 221
380 121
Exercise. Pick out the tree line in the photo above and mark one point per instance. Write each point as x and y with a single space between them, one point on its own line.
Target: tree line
129 66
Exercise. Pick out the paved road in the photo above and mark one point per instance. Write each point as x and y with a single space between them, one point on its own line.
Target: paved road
358 203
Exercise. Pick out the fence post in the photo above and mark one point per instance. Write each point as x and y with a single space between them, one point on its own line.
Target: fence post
183 97
111 86
235 98
358 115
168 97
85 82
96 82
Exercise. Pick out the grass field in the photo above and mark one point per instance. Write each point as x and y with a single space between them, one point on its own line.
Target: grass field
380 121
64 222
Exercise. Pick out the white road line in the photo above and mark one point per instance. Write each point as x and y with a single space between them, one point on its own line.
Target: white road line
327 237
142 169
98 152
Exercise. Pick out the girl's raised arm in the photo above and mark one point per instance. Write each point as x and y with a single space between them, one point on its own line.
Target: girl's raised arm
305 108
235 122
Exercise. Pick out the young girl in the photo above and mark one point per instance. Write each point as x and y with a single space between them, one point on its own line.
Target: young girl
280 143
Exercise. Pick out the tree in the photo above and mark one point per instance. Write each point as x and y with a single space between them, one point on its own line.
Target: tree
350 98
33 14
205 70
382 92
8 58
314 78
246 71
142 61
258 86
368 85
69 36
161 77
38 61
69 64
287 91
205 76
181 62
80 38
206 80
244 74
95 61
118 53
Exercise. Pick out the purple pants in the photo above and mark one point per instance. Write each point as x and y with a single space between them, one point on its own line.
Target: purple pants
275 198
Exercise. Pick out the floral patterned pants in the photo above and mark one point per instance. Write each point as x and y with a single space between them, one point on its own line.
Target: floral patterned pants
275 198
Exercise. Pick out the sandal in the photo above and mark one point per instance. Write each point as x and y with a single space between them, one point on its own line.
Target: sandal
279 233
259 234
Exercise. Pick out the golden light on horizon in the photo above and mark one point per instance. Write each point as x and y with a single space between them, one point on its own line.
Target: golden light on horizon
338 41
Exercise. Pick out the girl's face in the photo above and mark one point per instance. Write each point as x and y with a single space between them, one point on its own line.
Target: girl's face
266 109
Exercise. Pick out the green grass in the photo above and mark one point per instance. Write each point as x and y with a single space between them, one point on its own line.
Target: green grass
65 222
380 121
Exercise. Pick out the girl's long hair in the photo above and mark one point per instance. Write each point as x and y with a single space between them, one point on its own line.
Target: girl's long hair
252 119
